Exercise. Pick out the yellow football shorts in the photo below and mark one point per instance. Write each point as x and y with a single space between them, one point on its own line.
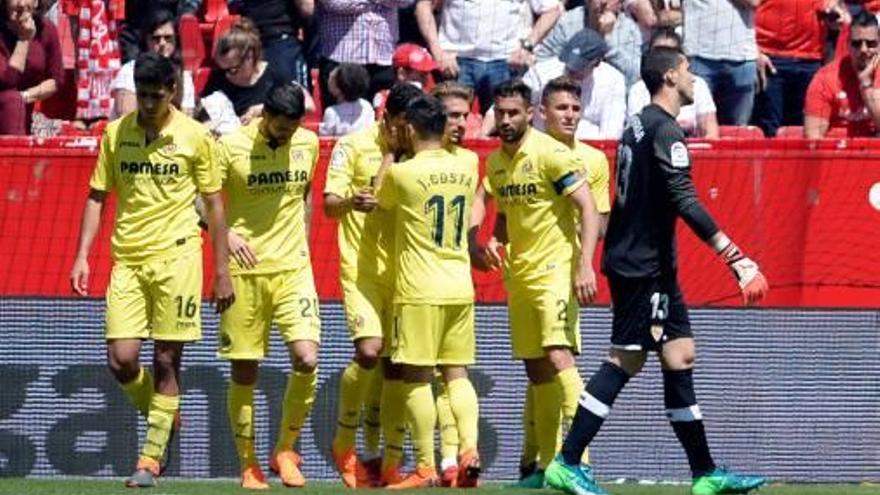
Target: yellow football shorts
543 315
368 309
433 335
161 300
288 299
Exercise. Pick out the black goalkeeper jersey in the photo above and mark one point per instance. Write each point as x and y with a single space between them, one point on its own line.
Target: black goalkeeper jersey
653 189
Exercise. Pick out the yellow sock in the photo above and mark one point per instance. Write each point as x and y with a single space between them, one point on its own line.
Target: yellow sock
372 420
393 422
548 401
140 391
571 384
240 407
352 390
299 396
466 408
530 440
422 415
446 424
159 423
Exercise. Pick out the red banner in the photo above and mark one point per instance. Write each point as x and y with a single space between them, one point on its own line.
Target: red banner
807 212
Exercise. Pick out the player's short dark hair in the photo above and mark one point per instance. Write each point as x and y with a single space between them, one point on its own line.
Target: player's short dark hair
561 84
452 89
353 81
864 19
287 100
656 63
665 33
153 69
427 116
399 97
513 87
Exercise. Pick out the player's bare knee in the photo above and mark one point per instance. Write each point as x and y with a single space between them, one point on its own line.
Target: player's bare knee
629 361
367 353
453 372
124 370
417 374
391 371
540 370
561 358
679 354
306 362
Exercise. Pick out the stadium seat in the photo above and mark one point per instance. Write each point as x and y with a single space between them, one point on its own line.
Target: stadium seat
200 79
740 132
192 47
790 132
213 10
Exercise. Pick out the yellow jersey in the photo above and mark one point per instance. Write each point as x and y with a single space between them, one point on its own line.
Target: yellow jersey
364 238
595 165
532 191
431 195
266 192
156 185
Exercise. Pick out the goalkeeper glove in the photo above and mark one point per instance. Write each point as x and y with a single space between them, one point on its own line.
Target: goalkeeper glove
752 283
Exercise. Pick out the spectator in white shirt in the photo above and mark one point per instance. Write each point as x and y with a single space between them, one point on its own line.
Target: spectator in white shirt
160 36
697 119
482 43
348 84
603 88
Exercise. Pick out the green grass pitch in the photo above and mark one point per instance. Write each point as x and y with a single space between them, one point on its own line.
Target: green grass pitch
68 486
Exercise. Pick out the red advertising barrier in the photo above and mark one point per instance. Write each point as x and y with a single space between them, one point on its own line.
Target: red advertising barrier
808 212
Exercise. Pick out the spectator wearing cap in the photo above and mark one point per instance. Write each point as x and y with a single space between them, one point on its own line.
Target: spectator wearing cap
791 39
348 84
361 32
481 44
603 88
278 22
846 92
697 119
30 63
160 36
412 64
719 38
609 18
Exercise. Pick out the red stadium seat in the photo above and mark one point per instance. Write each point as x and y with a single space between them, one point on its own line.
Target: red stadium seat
192 47
200 79
213 10
740 132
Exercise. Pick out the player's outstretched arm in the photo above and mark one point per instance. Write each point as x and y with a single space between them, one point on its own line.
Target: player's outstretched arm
585 284
224 296
91 221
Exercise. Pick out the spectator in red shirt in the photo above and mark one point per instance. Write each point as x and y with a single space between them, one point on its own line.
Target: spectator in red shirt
30 63
791 39
846 93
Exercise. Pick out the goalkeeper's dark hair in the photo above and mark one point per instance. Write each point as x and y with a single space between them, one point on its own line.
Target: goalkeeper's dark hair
399 97
656 63
863 19
286 100
513 88
427 116
561 84
153 69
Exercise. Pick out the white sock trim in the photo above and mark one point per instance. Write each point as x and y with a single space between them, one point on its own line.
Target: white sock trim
684 414
594 405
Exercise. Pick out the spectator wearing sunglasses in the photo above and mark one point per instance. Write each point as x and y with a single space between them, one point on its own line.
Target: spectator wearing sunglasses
242 75
846 92
160 36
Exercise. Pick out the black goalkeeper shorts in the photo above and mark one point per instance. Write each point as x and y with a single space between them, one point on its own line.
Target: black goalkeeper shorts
647 313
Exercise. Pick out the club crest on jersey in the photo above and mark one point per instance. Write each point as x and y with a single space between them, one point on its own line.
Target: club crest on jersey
169 148
678 155
528 168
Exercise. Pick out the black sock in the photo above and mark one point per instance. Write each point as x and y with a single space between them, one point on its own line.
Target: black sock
595 405
686 419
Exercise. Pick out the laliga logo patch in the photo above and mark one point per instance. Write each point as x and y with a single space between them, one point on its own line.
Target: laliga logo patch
678 154
297 155
337 159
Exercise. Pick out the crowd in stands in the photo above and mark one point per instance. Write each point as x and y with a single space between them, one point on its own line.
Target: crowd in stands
792 67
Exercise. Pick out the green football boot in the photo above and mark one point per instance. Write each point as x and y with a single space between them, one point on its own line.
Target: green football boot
574 479
720 480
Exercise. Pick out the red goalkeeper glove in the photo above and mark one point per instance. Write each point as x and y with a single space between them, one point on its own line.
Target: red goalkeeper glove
752 282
